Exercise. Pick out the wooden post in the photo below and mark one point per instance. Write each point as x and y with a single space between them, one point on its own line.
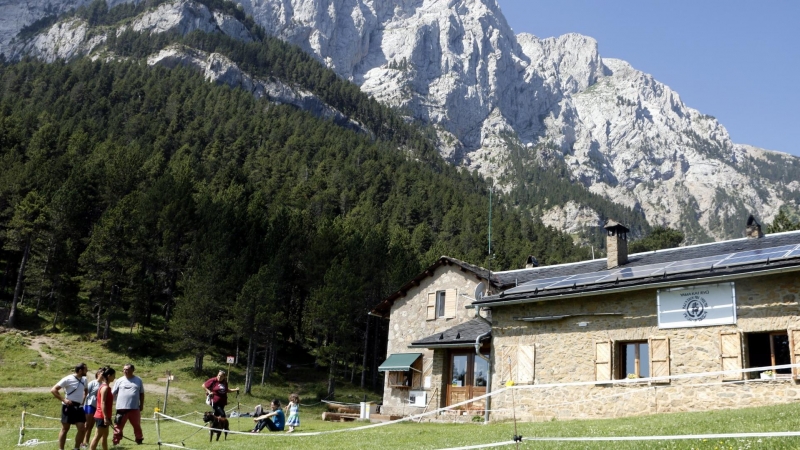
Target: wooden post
166 392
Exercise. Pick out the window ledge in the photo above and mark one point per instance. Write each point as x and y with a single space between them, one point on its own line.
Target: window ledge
633 381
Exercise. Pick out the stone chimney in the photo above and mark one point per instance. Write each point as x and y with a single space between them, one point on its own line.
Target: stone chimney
753 230
616 243
531 262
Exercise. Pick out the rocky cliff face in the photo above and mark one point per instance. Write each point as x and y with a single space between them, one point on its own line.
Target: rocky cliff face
457 64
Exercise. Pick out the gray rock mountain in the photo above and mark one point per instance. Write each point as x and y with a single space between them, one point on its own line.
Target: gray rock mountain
458 65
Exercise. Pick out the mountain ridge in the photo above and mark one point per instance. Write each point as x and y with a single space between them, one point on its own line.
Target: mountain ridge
458 66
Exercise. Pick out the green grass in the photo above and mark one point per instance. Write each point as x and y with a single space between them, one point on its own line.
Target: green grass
67 349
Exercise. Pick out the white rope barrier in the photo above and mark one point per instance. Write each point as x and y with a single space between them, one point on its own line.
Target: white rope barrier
495 444
183 415
364 427
35 442
671 437
43 417
639 438
666 378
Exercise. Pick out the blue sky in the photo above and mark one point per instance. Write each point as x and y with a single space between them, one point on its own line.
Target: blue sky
736 60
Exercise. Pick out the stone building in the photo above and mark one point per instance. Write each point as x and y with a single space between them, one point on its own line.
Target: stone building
430 329
681 329
689 328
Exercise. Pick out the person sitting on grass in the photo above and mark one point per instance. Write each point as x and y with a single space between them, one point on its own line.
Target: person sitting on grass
274 420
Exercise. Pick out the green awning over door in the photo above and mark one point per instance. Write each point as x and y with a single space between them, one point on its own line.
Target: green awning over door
399 362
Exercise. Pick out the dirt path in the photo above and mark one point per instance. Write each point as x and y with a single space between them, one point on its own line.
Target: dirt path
40 341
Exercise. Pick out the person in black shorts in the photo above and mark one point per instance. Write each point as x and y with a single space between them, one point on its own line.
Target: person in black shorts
75 390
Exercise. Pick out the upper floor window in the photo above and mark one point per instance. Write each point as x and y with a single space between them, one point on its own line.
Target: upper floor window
442 304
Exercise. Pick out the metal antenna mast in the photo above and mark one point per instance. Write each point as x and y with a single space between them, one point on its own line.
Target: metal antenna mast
491 188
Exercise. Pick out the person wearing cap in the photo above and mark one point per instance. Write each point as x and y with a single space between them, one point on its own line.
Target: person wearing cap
129 393
74 387
217 388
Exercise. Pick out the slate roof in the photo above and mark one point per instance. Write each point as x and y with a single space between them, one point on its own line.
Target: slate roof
508 279
384 308
463 335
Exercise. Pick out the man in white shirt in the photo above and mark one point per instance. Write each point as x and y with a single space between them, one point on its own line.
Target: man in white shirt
129 395
74 387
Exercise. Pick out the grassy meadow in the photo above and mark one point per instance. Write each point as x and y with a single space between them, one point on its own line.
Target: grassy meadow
26 385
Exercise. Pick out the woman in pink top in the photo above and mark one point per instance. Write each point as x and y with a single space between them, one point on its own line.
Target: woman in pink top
102 417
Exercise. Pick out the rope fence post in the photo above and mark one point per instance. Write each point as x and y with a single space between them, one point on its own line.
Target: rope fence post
22 425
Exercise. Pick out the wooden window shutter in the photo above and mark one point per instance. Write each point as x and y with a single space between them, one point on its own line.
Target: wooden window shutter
659 358
602 360
416 375
730 345
794 345
450 300
507 362
525 364
431 305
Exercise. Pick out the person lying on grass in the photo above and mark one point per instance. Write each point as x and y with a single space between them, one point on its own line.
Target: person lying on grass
274 420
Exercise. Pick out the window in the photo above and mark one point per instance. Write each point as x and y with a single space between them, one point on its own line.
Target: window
633 360
440 302
481 371
768 349
406 377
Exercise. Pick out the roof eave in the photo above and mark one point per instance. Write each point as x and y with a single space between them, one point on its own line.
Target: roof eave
448 344
638 287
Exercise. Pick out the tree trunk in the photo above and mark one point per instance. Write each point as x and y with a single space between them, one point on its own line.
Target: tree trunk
100 311
236 358
248 378
109 310
266 358
375 348
332 379
5 278
364 356
44 275
271 366
12 316
353 369
198 361
58 299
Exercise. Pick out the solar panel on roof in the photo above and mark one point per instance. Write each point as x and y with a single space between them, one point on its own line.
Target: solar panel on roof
694 264
651 270
531 286
579 280
683 268
761 251
630 273
755 256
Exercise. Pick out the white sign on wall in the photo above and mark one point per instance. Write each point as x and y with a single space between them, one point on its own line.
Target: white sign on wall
417 398
697 306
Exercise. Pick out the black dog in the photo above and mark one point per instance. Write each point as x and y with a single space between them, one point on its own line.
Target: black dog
217 425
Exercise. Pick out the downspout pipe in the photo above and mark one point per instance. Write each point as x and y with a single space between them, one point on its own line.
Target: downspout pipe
488 362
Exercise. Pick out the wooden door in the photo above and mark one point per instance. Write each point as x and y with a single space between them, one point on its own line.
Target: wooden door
459 382
468 375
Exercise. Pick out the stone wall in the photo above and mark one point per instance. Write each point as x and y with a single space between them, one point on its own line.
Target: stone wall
565 353
408 324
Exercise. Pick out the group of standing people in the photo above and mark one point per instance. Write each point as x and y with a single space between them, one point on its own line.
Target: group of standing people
90 405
